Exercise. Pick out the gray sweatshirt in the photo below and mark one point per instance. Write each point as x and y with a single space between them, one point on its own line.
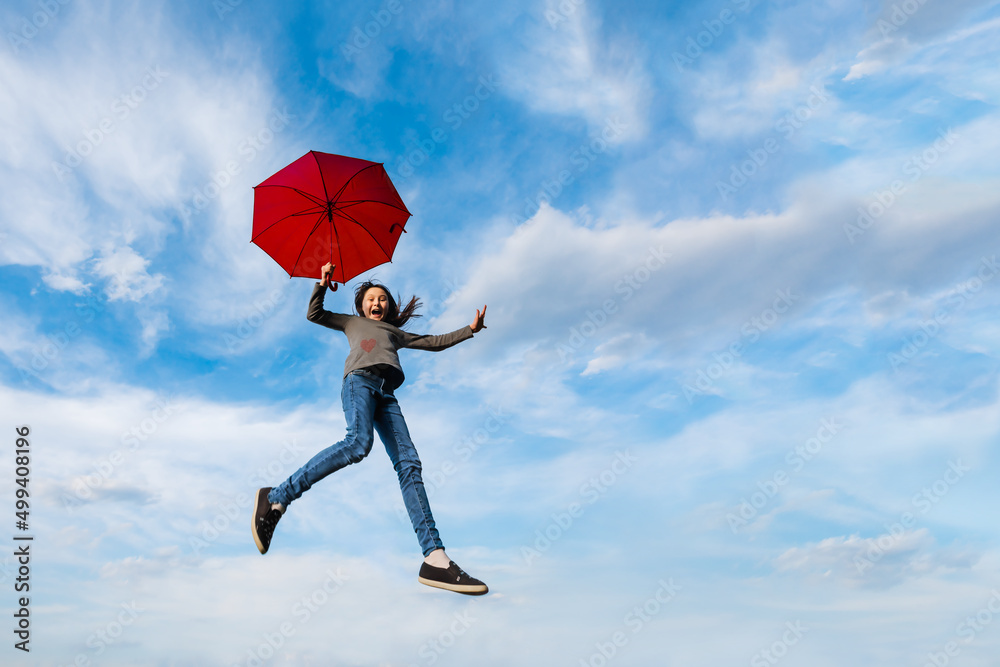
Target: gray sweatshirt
374 343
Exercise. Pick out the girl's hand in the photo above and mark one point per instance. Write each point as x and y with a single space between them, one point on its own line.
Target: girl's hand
327 275
478 324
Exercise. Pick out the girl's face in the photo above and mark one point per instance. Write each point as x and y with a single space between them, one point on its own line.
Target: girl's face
375 303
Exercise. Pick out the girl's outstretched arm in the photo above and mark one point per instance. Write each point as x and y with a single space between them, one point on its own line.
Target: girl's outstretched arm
444 341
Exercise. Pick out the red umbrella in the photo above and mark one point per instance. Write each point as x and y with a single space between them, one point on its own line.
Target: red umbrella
328 208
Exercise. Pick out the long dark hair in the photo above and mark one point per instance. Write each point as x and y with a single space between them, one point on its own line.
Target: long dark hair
393 315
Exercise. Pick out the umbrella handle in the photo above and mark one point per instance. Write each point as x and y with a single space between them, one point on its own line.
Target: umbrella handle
333 286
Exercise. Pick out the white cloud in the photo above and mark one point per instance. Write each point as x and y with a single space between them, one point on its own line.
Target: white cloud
561 289
159 127
154 324
902 36
608 355
63 283
878 57
727 103
573 68
885 560
126 272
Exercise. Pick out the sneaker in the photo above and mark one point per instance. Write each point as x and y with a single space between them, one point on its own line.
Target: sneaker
264 520
451 578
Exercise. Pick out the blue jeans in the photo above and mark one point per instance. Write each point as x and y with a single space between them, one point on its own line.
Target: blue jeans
367 403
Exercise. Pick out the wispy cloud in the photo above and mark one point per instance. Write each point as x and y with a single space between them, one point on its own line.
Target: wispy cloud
573 68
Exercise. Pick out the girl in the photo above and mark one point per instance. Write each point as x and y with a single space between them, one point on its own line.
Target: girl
371 375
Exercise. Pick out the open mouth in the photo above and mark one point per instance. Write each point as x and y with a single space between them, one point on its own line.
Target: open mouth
376 312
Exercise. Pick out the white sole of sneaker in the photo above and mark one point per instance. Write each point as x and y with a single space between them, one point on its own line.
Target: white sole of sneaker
467 590
253 519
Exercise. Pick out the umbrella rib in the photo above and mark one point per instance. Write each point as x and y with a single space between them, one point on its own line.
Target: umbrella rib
322 176
282 219
320 204
348 182
311 197
340 249
299 256
355 202
366 231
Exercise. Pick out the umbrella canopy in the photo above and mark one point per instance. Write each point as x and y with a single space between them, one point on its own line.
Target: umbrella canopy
328 208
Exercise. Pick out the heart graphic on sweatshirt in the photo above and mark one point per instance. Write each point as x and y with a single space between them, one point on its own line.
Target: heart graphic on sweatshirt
368 345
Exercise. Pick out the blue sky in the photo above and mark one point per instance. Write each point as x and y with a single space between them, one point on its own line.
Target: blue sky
737 399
